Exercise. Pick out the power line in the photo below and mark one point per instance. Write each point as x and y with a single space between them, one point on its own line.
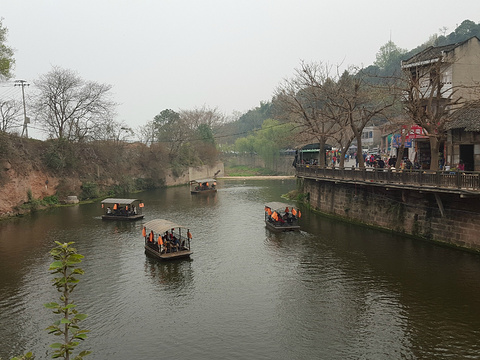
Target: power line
26 120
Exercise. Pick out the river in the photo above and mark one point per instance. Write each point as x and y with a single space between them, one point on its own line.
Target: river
331 291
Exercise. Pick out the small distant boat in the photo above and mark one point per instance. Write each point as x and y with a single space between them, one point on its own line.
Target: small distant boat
166 240
281 217
203 186
122 209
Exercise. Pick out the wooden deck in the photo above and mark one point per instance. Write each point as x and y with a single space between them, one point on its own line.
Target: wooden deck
168 256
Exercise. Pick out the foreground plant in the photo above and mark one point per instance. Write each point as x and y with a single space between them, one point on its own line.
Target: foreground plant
66 258
27 356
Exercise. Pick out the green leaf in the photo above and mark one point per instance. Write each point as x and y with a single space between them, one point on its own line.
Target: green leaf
75 257
65 321
56 345
69 306
81 336
52 305
81 316
84 353
55 265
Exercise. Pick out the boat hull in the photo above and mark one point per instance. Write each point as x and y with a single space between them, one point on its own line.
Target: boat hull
181 254
281 228
123 218
196 192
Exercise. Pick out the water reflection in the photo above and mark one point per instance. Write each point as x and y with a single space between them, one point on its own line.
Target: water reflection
174 274
332 290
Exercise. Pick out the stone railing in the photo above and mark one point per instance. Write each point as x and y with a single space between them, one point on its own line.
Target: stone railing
459 180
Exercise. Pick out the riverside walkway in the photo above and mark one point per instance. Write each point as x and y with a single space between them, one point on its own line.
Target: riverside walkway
464 183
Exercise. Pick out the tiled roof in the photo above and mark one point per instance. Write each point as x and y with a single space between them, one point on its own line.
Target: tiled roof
467 118
433 52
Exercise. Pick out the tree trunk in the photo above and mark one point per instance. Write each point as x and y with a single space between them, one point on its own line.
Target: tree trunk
434 150
321 153
361 163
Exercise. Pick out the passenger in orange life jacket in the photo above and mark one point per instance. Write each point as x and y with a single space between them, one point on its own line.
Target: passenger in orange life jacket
150 237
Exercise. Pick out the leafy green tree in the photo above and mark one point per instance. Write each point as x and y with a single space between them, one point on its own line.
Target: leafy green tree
245 124
66 258
206 134
464 31
245 145
6 54
388 58
171 131
273 137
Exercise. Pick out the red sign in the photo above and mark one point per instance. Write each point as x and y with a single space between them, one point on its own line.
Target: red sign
415 132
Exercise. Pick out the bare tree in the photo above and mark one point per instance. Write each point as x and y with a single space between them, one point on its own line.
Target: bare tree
111 130
300 100
429 101
70 107
145 133
10 114
331 107
353 101
202 116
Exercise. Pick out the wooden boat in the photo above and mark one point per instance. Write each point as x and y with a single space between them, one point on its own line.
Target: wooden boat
281 217
122 209
203 186
166 240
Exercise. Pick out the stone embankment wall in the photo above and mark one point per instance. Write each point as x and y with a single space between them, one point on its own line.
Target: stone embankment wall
406 211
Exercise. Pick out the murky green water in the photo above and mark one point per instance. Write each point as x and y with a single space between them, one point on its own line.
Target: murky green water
332 291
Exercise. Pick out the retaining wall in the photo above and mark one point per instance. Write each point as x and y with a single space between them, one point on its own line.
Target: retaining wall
412 212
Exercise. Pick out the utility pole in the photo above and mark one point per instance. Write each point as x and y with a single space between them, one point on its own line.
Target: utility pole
26 120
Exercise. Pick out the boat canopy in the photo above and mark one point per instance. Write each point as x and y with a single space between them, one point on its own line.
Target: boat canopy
119 201
275 205
159 226
201 181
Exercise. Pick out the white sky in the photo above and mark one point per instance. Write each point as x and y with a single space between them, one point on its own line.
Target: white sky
225 54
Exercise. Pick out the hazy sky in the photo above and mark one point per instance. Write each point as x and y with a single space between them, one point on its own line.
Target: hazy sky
225 54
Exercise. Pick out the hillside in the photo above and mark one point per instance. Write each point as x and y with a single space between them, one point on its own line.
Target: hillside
34 169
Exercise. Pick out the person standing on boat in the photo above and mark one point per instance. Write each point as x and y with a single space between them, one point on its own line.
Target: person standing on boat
160 243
